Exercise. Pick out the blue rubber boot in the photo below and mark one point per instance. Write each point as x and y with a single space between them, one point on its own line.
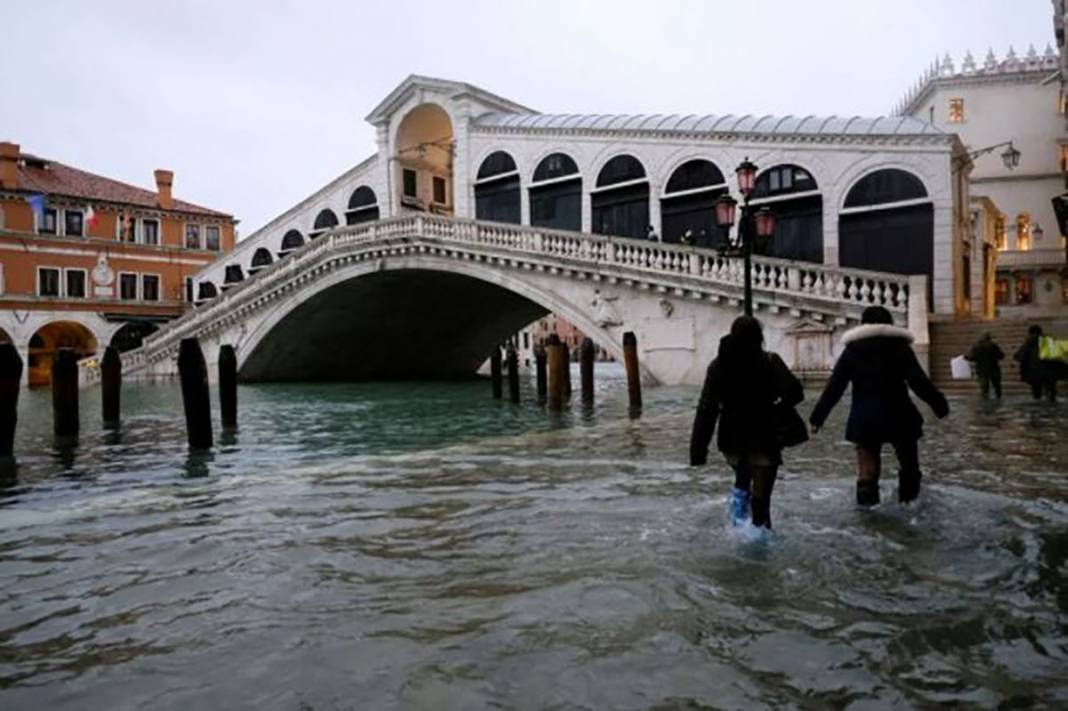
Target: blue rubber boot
739 506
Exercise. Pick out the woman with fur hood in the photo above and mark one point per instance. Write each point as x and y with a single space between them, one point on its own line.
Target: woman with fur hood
879 362
741 389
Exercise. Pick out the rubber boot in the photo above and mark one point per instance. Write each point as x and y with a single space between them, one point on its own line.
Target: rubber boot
762 512
867 493
739 506
908 487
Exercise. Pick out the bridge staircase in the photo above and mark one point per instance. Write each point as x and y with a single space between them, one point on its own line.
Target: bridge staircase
953 338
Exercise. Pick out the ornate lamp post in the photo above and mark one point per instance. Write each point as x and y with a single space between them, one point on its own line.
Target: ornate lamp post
754 224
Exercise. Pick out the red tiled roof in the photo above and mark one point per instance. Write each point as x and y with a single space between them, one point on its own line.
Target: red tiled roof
59 179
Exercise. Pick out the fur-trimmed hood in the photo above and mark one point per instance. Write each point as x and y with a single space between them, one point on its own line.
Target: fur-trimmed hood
875 330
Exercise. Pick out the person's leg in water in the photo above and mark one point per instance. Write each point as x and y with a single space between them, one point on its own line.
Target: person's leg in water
995 380
908 475
741 494
1051 389
763 483
984 386
1036 389
869 466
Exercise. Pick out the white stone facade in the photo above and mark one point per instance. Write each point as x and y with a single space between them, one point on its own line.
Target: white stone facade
995 101
837 152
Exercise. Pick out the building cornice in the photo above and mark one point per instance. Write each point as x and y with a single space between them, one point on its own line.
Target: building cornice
938 140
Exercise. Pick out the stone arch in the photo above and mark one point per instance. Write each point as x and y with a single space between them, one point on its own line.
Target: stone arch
619 203
363 206
260 258
848 178
687 203
546 299
423 144
325 220
49 337
787 190
497 190
206 290
886 223
291 240
556 192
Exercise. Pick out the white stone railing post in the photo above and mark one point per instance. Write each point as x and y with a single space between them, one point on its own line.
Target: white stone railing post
917 319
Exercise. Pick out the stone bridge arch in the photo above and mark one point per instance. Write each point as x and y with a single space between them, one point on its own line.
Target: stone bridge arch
467 308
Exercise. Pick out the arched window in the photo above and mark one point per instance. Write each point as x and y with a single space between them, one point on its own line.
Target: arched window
556 165
497 189
233 274
886 227
206 290
556 194
790 192
687 209
292 240
885 186
620 202
260 259
325 220
363 206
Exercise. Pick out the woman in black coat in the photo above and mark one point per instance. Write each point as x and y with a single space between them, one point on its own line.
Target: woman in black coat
741 387
879 362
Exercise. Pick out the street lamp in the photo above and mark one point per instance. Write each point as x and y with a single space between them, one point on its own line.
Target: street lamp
758 224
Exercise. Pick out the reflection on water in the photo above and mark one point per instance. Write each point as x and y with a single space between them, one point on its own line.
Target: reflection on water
422 546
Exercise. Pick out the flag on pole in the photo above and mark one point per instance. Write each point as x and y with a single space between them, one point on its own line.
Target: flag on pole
90 216
37 204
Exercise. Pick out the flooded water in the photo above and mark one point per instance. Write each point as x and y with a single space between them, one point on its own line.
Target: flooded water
420 546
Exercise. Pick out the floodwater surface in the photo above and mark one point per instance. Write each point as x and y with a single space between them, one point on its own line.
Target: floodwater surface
421 546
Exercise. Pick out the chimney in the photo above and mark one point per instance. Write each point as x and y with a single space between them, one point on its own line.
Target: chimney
9 165
164 180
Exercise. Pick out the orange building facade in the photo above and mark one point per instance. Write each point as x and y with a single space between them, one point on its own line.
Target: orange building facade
86 261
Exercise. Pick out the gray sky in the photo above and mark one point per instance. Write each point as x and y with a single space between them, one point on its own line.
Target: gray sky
255 105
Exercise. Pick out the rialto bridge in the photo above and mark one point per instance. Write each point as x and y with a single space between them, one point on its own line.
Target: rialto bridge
430 296
476 215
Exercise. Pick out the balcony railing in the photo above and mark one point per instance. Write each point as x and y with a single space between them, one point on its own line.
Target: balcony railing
1032 258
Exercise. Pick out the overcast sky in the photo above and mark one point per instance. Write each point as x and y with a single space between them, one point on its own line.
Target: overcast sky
255 105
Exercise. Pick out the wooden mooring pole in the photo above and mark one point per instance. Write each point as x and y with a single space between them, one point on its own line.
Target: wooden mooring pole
495 372
557 366
634 378
586 356
111 387
10 386
65 393
228 386
193 372
513 372
567 370
539 373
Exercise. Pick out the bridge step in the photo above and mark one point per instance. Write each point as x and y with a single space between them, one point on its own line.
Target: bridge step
953 338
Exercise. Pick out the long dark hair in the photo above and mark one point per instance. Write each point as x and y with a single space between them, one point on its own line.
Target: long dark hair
741 357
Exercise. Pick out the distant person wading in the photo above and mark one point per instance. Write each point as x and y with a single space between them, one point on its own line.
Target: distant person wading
987 357
745 390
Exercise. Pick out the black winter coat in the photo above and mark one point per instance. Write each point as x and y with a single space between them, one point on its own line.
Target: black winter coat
987 356
879 362
1031 370
744 418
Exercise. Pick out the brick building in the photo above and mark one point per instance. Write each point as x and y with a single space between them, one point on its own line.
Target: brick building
86 260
